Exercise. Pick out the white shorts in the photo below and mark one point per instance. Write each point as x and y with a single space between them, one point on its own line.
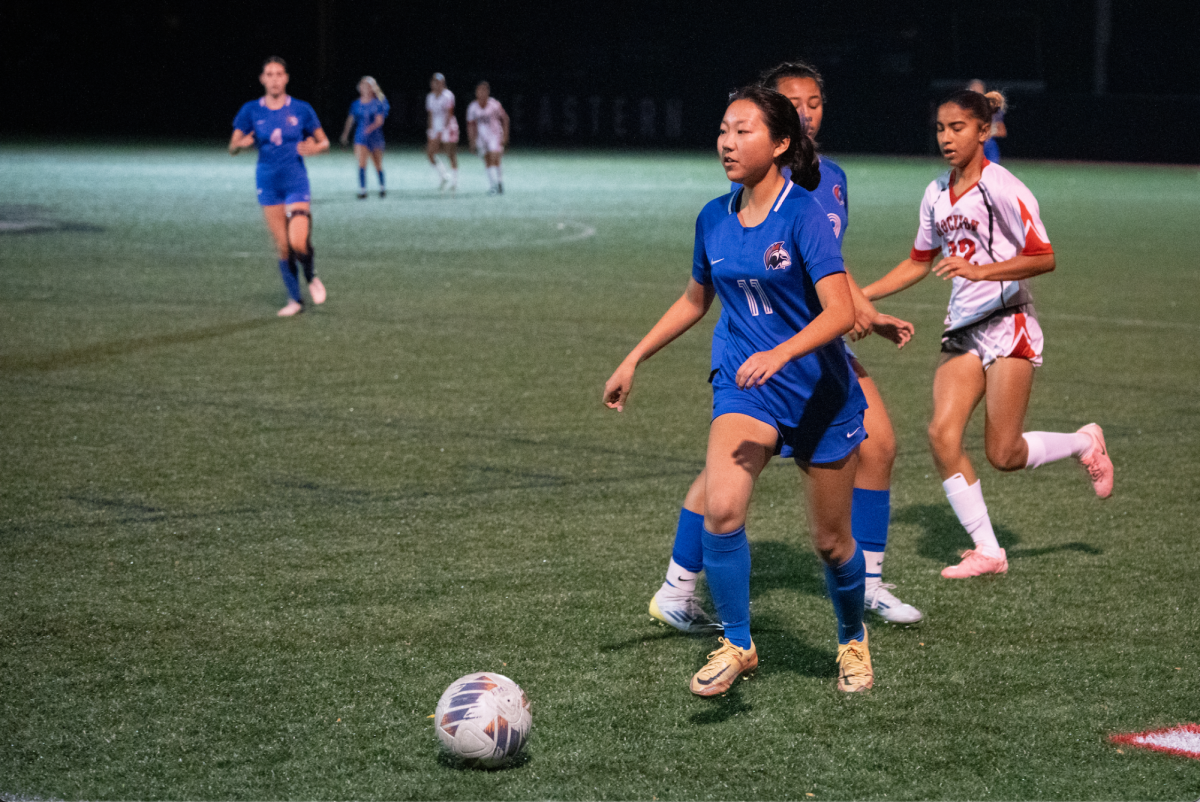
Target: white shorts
488 142
449 134
1011 333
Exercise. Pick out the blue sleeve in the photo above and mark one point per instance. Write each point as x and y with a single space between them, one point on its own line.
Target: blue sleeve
387 107
309 121
817 245
244 121
701 269
354 110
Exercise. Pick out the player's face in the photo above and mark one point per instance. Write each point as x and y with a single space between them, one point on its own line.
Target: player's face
365 91
482 93
274 79
960 136
744 144
806 97
436 86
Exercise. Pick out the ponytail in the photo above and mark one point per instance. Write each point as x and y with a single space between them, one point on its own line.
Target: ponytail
783 122
981 107
375 88
996 102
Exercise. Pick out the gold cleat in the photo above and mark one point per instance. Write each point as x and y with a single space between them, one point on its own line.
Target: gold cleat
724 666
854 666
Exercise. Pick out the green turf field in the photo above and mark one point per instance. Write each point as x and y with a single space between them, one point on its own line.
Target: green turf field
240 557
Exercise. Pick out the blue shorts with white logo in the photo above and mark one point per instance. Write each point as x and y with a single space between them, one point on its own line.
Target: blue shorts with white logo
289 186
817 443
372 141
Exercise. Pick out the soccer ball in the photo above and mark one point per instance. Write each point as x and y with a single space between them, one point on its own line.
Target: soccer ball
483 718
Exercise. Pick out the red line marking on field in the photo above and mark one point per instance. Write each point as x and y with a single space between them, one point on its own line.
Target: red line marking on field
1182 740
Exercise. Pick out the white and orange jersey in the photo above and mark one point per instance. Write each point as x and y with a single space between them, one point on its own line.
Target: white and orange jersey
441 110
489 118
995 220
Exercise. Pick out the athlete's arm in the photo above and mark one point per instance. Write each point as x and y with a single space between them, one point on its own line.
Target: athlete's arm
345 137
894 329
682 315
472 128
900 277
240 141
504 121
836 318
317 143
864 311
1014 269
375 125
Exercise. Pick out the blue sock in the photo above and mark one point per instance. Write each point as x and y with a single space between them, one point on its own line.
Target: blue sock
362 177
727 564
688 551
870 513
287 269
380 174
847 589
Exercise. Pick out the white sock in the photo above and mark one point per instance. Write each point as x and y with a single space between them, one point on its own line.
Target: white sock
439 168
1051 447
499 177
680 583
967 502
454 177
874 567
493 174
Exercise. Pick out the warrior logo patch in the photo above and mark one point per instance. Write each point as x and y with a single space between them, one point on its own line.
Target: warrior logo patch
776 257
837 194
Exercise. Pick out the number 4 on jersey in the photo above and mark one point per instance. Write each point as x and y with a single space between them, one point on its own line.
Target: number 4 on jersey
766 305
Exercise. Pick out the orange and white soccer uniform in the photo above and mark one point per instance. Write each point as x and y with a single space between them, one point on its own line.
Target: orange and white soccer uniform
443 125
995 220
489 125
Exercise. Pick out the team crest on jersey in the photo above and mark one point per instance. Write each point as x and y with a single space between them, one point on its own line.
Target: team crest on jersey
293 120
837 194
776 257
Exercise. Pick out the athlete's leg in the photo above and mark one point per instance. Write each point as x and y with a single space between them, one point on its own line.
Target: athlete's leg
872 507
1009 383
958 387
433 147
829 492
451 150
739 446
377 158
675 602
360 153
300 239
276 219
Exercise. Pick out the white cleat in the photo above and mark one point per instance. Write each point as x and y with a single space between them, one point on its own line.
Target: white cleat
881 601
317 290
291 310
684 613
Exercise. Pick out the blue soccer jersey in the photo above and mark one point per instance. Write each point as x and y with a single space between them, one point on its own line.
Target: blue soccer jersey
364 115
832 194
276 134
766 279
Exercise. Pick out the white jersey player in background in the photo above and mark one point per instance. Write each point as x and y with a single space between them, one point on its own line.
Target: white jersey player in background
487 132
986 225
441 130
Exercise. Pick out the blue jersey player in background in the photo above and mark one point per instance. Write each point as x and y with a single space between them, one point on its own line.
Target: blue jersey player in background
769 252
284 130
366 118
675 602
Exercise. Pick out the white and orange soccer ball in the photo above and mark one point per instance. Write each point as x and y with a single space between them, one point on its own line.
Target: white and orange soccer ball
483 718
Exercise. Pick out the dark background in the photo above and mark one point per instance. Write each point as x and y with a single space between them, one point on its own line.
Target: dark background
646 74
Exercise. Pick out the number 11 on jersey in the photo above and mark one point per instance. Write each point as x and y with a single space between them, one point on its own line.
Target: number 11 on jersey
766 305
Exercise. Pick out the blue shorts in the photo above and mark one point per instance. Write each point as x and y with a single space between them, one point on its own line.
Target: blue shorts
289 187
372 142
816 443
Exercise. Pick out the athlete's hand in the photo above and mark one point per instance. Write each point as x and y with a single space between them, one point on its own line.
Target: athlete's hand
618 387
958 267
894 329
242 142
308 147
864 318
761 366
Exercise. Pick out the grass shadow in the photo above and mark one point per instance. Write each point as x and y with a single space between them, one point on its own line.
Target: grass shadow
100 351
718 709
787 566
780 651
942 537
448 760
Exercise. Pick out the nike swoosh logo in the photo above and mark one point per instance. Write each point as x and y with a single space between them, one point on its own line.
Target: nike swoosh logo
714 261
715 678
851 434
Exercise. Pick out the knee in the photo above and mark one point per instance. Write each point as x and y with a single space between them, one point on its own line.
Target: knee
833 542
1006 456
722 514
879 449
943 439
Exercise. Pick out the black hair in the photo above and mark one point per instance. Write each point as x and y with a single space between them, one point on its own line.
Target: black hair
792 69
979 106
784 123
275 60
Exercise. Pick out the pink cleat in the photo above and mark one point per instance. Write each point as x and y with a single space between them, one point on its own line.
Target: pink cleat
292 308
976 563
1099 466
317 290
